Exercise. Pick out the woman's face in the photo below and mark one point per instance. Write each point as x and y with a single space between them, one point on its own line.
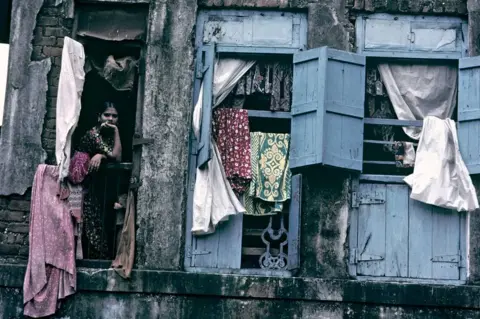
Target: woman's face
110 115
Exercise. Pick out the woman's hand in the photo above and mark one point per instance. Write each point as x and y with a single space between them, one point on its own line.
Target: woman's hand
95 162
112 126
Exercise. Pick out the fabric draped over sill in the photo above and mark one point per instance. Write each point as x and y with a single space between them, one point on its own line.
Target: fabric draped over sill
232 135
51 270
70 88
440 176
271 177
214 199
123 263
417 91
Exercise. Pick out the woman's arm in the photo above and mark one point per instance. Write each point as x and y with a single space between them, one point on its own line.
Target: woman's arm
116 153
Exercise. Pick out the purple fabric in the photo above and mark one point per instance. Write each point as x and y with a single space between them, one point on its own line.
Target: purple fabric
51 271
78 167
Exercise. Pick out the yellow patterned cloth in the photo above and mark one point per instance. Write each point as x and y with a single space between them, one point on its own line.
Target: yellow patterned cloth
271 176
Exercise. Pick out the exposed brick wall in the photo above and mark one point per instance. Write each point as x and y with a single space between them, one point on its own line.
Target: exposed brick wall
411 6
48 42
14 210
14 215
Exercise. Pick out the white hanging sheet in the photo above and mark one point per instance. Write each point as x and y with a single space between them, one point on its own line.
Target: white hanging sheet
440 176
213 197
417 91
428 92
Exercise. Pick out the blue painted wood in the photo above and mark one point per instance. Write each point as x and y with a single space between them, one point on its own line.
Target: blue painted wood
269 114
434 242
222 48
416 240
393 122
223 248
380 162
353 217
327 109
396 179
294 223
411 36
420 240
371 249
252 28
469 112
207 69
396 230
446 244
413 55
464 217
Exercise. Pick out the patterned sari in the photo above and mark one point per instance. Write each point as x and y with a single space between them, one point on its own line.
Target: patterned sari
92 143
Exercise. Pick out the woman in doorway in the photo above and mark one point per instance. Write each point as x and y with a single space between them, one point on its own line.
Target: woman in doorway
99 144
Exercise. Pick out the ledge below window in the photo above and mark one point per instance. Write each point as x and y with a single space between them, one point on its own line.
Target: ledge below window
258 287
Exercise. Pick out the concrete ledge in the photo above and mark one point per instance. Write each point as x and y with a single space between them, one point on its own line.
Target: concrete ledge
257 287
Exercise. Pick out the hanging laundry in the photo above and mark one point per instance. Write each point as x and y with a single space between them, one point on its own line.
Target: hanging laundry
271 176
232 134
270 80
124 258
282 74
440 176
69 104
51 270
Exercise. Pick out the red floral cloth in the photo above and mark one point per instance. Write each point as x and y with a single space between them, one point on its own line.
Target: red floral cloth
232 134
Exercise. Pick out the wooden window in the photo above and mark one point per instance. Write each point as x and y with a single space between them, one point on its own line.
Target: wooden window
391 235
236 245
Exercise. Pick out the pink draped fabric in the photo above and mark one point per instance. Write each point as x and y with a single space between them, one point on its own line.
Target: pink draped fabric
51 271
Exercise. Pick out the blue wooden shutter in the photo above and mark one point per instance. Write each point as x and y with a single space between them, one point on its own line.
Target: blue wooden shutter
382 231
434 242
403 238
469 112
222 249
205 68
328 109
294 223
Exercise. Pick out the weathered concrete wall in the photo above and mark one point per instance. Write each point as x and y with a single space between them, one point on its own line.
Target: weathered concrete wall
166 118
47 42
411 6
170 294
108 305
324 223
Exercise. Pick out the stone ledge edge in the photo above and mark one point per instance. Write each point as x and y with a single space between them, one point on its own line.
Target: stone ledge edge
258 287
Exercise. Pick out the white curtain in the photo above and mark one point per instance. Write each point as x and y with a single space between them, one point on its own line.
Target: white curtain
213 198
417 91
428 92
440 176
70 88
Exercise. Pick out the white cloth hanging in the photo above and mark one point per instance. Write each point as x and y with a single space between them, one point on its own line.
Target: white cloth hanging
213 197
70 88
440 176
417 91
